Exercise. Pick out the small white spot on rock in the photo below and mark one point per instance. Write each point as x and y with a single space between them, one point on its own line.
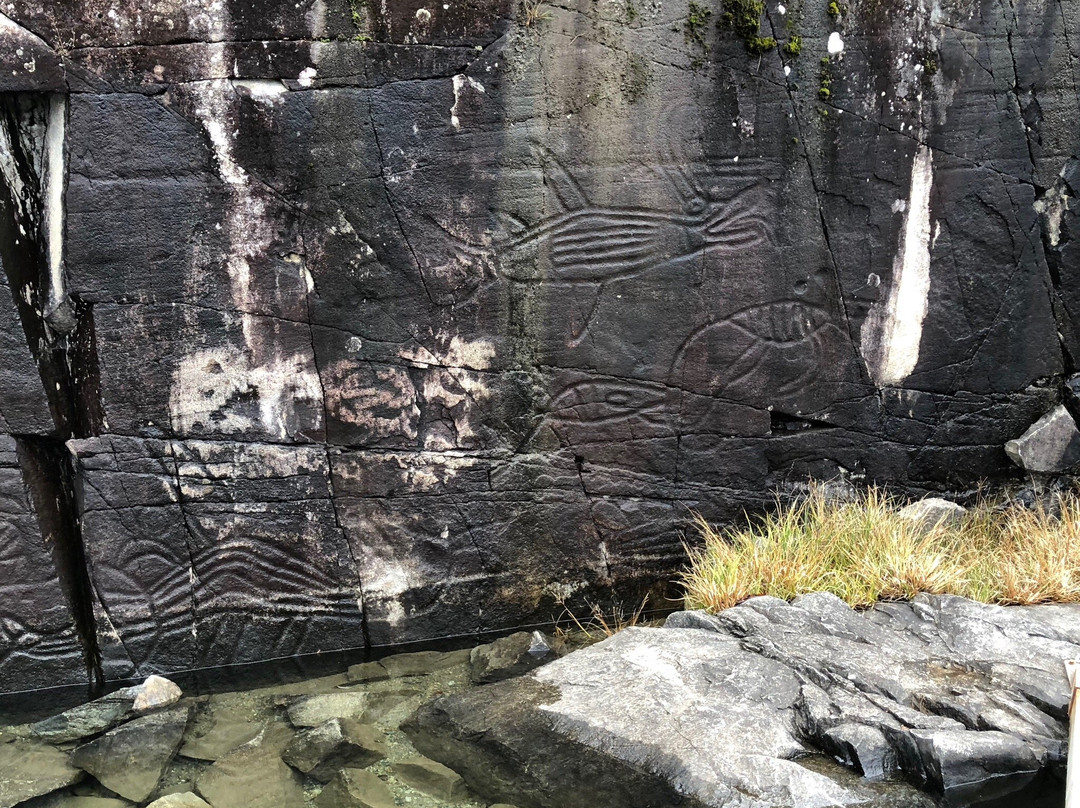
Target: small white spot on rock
836 44
781 9
306 77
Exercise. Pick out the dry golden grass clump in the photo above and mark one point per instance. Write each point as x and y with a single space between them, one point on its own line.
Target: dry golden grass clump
863 551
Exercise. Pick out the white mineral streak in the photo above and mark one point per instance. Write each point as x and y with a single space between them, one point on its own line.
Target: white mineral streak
316 18
891 335
453 382
206 382
9 171
460 82
1052 206
261 89
53 186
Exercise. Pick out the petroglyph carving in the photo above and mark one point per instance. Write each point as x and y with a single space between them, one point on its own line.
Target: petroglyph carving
584 247
606 401
785 339
587 243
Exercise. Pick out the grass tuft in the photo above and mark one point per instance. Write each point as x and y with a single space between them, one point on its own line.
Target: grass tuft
601 623
863 551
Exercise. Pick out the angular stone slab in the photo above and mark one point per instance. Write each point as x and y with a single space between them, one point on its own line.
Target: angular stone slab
222 724
430 777
355 788
108 711
322 751
131 759
41 647
29 770
1050 446
253 775
227 544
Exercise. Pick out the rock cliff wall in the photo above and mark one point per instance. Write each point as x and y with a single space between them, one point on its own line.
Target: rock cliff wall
336 323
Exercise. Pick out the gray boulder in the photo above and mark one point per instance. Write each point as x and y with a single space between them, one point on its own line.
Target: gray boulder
254 775
930 512
131 759
966 701
185 799
512 656
109 711
1051 445
431 777
320 752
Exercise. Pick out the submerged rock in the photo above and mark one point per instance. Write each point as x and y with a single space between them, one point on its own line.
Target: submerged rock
355 788
254 775
109 711
421 663
1051 445
311 711
29 770
221 725
63 800
430 777
751 706
368 672
320 752
131 759
512 656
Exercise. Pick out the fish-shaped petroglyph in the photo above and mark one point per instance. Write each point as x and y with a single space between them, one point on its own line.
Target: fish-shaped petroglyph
785 338
587 243
594 402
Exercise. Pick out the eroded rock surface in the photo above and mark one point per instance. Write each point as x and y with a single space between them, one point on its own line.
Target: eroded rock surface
963 700
108 711
29 770
131 759
331 324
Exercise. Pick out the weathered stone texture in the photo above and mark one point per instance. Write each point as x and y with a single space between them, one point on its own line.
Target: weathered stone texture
430 316
39 644
755 705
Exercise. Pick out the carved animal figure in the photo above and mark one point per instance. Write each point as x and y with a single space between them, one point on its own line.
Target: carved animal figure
587 243
785 339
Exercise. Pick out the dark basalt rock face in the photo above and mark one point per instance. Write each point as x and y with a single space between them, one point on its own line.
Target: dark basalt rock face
335 324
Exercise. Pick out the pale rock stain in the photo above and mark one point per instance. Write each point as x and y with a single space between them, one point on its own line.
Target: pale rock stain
891 335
